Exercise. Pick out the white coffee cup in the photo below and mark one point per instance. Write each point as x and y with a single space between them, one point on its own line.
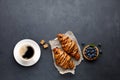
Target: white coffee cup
27 52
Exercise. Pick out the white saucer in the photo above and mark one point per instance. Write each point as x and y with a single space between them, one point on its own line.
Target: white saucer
27 62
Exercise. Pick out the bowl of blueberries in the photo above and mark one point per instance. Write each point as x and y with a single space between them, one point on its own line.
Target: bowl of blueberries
91 51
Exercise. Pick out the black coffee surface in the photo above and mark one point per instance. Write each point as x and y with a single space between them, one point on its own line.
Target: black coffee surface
29 53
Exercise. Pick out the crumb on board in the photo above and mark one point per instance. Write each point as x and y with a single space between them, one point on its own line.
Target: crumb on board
45 45
42 42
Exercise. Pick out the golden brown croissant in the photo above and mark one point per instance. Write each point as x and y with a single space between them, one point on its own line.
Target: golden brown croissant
69 46
62 59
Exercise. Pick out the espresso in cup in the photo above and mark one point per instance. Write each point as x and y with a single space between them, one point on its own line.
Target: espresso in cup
26 52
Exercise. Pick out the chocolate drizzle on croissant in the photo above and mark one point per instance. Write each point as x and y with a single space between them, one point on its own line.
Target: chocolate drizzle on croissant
62 59
69 46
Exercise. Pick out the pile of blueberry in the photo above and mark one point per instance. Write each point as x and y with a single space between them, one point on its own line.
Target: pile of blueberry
91 51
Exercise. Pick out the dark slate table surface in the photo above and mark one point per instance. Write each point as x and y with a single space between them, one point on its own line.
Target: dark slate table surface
92 21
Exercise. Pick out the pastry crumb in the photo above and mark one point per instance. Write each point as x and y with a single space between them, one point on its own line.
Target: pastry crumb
45 45
42 42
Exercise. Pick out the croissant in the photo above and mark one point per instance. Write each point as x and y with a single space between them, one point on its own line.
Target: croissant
68 45
62 59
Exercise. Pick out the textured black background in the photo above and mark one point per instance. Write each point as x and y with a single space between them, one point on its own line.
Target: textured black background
92 21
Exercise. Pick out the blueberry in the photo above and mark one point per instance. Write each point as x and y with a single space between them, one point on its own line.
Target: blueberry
93 51
89 48
83 43
99 44
88 54
100 51
88 51
93 55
